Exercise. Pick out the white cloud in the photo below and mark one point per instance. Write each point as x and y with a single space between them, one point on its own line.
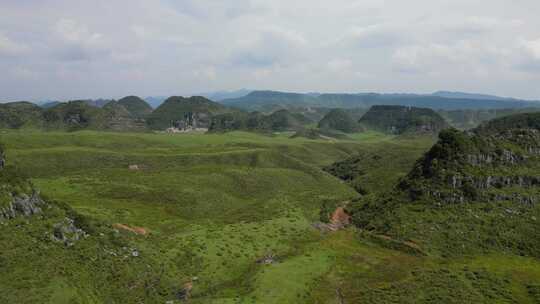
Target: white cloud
206 73
24 73
532 47
181 47
10 47
339 64
74 32
373 36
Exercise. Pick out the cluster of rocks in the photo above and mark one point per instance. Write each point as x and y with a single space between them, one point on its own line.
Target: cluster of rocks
505 157
22 205
66 232
452 197
487 182
514 197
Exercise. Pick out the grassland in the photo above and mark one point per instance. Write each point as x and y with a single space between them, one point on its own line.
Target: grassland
213 206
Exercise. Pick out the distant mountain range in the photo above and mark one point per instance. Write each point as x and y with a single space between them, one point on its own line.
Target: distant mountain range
461 95
222 95
156 101
269 100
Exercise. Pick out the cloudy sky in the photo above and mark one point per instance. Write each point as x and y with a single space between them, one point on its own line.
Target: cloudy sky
66 49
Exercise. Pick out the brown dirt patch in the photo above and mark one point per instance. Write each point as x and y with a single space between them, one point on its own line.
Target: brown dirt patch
136 230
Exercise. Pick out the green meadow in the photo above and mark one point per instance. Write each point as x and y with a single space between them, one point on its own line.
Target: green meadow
214 205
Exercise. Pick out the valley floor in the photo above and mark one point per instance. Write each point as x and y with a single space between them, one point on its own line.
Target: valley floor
228 217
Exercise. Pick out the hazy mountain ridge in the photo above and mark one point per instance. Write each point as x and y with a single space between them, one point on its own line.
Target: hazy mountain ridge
257 100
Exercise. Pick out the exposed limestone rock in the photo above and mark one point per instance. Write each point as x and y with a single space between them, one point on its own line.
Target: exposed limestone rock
67 233
487 182
505 157
515 197
22 205
73 119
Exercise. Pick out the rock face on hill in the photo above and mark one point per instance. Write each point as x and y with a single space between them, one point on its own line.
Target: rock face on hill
180 111
118 118
75 115
339 119
467 167
78 115
473 191
403 120
279 121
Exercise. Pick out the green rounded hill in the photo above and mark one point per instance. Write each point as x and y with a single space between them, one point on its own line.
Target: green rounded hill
402 119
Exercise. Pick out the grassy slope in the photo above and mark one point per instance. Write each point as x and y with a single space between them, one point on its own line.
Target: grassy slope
214 204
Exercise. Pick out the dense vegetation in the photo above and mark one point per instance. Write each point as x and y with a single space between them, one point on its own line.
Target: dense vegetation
18 115
278 121
75 115
403 120
137 107
468 119
341 120
518 121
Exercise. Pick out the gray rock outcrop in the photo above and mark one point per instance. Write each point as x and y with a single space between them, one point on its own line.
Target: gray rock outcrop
67 233
22 205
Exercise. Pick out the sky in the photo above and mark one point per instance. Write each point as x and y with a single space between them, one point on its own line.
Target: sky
69 49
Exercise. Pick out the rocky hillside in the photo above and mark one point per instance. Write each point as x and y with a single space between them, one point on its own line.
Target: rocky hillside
75 115
119 118
473 191
403 120
53 254
341 120
70 116
175 110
